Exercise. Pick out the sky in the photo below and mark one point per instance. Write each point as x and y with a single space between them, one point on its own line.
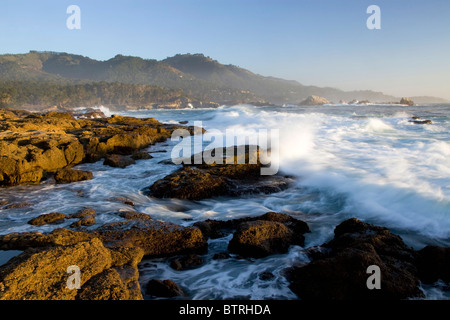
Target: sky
316 42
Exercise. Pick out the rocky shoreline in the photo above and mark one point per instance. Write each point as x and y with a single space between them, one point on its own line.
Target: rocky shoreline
34 147
108 257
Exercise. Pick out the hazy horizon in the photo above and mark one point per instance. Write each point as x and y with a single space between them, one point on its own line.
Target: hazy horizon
322 43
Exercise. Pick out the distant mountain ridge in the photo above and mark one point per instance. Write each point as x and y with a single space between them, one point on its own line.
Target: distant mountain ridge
197 75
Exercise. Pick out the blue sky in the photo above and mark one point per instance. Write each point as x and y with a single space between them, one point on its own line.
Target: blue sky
316 42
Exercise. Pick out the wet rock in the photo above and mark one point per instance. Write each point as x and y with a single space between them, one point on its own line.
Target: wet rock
261 238
122 199
339 272
156 238
107 285
83 213
219 228
118 161
433 263
186 262
266 276
132 215
49 218
25 157
236 176
48 268
17 205
58 237
108 270
221 256
86 221
421 121
34 145
165 288
141 156
72 175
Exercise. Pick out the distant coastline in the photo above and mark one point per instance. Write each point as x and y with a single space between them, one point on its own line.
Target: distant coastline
40 80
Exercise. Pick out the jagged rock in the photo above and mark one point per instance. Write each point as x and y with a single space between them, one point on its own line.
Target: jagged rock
186 262
156 238
49 218
141 156
131 215
261 238
314 101
122 199
107 258
237 175
34 145
118 161
17 205
266 276
434 263
218 228
165 288
107 285
71 175
86 221
338 270
41 274
221 256
83 213
407 101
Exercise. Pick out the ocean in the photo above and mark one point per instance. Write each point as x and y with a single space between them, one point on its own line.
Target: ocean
363 161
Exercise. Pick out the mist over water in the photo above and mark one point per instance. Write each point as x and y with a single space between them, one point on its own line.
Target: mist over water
367 162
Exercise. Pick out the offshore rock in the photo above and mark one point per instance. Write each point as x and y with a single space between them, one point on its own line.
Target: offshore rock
407 101
314 101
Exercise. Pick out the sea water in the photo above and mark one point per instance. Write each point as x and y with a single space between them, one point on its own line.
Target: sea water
363 161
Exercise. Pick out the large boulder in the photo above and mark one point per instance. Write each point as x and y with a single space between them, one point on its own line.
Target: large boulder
219 228
118 161
235 176
155 237
72 175
433 263
49 218
164 288
41 274
261 238
339 268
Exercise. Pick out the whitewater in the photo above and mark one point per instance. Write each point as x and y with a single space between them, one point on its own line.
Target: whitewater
363 161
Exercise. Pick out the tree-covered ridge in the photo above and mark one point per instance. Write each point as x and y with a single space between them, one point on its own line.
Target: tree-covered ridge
38 93
195 74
